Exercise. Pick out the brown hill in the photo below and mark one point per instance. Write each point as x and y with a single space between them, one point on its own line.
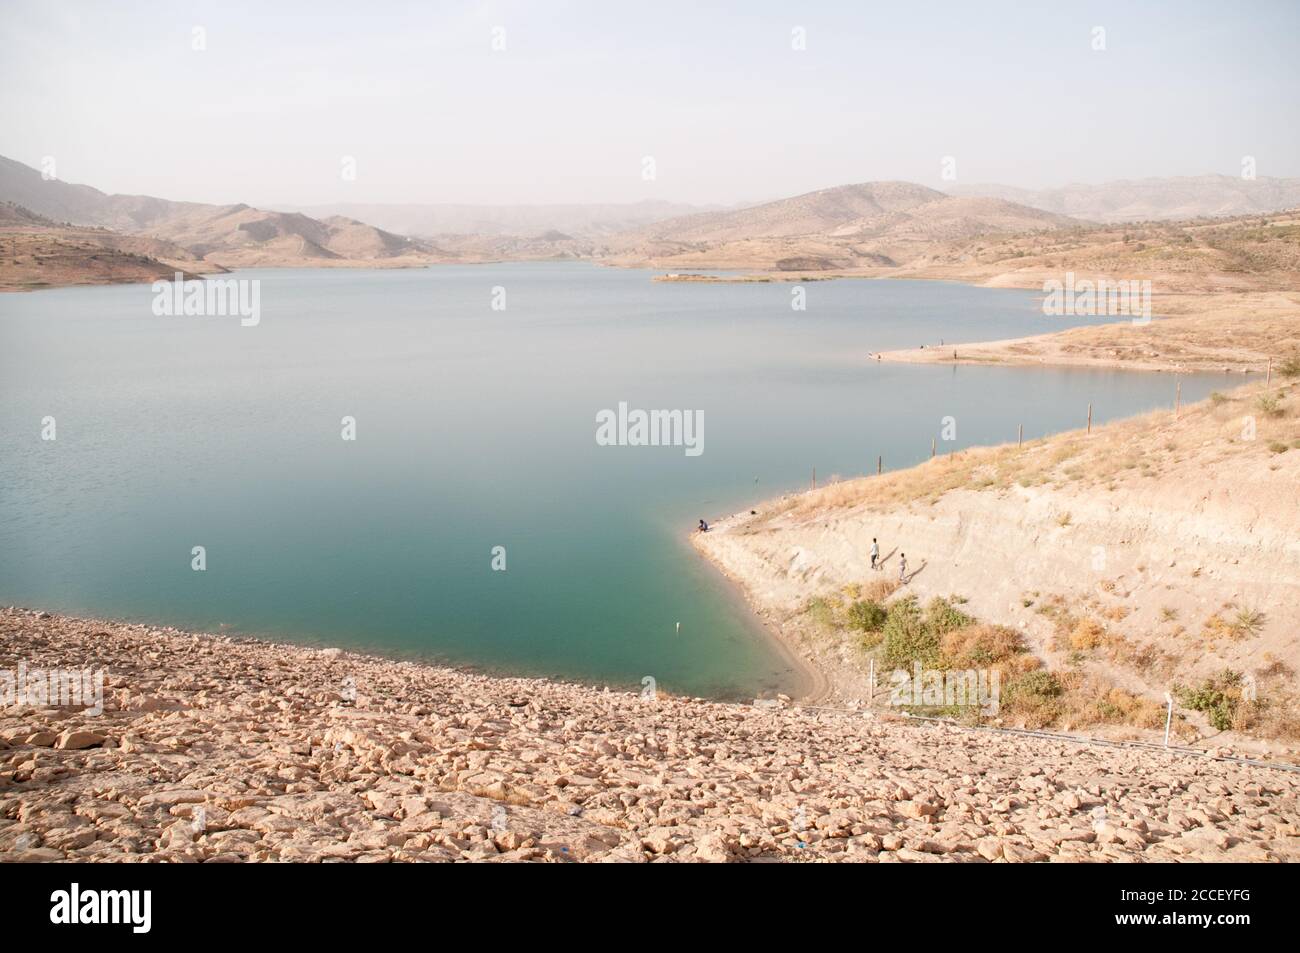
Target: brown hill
36 252
225 236
870 225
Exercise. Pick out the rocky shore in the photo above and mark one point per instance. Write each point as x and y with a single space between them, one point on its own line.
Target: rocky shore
213 749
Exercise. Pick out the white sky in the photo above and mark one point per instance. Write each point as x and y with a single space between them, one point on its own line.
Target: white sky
583 91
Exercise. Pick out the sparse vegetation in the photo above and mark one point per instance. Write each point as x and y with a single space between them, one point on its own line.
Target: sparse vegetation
1270 405
867 615
1219 698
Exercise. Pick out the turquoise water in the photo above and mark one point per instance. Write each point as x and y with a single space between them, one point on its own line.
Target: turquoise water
476 428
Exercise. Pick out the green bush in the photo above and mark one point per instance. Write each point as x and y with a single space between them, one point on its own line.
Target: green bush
1217 697
1032 688
941 616
867 615
1036 699
908 638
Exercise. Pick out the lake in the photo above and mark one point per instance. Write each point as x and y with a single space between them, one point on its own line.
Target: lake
475 427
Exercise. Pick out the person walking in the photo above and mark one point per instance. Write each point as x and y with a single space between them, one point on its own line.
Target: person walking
902 568
875 553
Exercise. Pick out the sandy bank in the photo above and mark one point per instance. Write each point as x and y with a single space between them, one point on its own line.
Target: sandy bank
1234 332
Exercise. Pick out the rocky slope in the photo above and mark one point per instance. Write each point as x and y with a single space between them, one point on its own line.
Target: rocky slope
216 750
38 253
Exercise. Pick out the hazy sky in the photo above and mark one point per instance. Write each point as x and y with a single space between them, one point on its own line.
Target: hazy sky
583 91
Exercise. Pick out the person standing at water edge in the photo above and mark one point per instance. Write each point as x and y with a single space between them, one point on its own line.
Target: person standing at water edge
704 527
875 552
902 568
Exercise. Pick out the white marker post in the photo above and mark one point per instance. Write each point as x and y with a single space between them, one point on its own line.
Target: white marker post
1169 716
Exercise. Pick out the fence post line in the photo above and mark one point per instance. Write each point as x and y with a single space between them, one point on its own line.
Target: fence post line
1089 417
879 463
1178 399
1020 436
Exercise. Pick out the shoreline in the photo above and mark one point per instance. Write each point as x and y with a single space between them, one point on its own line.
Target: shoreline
815 684
1009 544
811 682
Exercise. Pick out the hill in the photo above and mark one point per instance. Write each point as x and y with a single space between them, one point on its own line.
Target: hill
224 236
1155 199
850 227
587 221
36 252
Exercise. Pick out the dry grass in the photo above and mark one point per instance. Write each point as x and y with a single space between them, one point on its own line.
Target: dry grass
942 637
1138 447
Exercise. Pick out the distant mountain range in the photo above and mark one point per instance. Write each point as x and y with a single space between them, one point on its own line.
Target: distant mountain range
1138 200
553 222
869 225
224 235
60 233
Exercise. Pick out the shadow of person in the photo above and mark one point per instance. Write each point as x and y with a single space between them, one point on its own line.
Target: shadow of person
915 572
885 558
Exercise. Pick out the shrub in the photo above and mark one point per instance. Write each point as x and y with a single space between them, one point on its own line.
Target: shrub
1270 405
1118 705
1290 365
1035 698
908 638
1219 698
1087 634
981 646
1247 622
878 590
822 611
942 616
867 615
